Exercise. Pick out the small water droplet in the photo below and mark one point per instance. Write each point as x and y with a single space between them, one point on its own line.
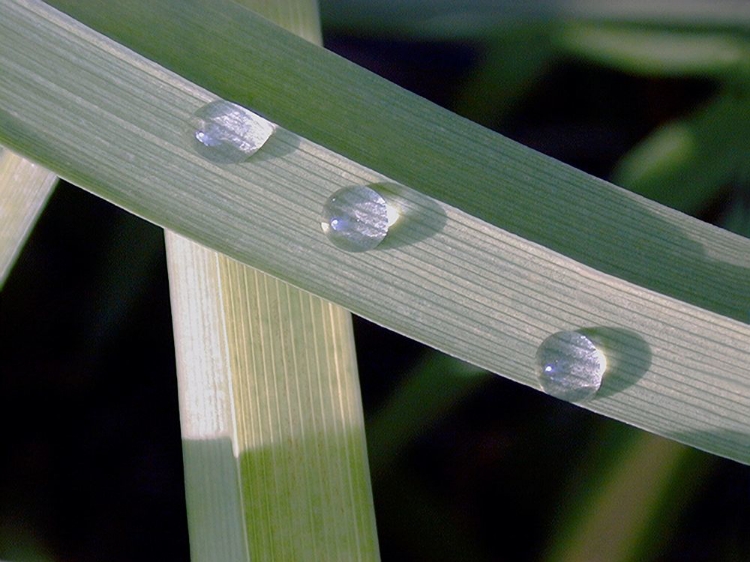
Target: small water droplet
570 366
228 133
357 218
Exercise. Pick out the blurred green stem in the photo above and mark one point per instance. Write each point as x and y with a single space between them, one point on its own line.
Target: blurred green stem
437 384
628 503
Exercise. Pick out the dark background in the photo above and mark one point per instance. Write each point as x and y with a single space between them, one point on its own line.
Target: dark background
90 459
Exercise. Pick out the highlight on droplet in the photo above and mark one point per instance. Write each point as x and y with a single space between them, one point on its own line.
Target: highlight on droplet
357 218
227 133
570 366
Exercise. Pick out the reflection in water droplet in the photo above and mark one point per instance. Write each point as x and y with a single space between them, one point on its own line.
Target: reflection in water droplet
357 218
228 133
570 366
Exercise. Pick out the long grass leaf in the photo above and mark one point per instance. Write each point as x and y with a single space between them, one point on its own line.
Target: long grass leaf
280 472
325 99
24 190
115 123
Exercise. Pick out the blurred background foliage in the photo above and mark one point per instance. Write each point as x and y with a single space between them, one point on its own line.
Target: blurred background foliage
465 465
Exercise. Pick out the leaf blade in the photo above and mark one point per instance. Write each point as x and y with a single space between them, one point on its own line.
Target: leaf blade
449 279
411 141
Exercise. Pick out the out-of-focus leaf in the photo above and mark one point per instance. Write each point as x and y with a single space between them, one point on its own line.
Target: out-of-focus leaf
511 64
684 163
629 498
657 52
433 387
24 190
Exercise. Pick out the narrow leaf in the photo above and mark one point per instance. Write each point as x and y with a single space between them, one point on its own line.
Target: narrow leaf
274 444
444 277
657 52
683 164
327 100
24 190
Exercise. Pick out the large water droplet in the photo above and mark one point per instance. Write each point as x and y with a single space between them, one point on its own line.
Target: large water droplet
228 133
570 366
357 218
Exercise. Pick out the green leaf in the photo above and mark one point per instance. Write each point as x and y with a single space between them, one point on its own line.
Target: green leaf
449 276
331 102
458 19
270 406
24 190
657 52
683 164
622 509
501 78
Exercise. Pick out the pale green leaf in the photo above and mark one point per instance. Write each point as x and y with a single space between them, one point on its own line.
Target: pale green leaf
657 52
271 413
325 99
24 190
115 123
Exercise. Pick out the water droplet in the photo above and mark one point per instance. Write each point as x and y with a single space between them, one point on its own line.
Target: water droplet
228 133
357 218
570 366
